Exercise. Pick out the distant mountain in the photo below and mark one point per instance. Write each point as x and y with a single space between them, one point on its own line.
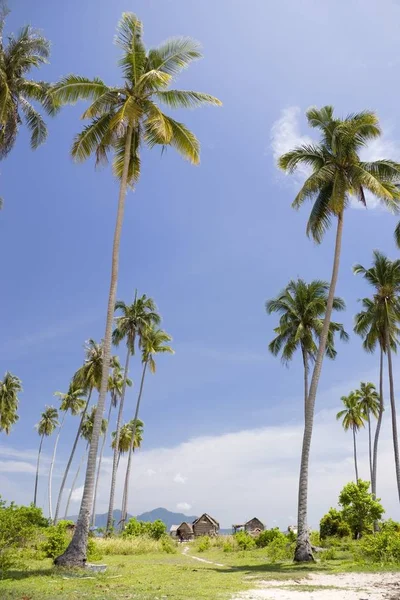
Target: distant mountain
166 516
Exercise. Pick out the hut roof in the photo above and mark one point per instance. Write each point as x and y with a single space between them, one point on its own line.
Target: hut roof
173 528
188 525
212 521
254 519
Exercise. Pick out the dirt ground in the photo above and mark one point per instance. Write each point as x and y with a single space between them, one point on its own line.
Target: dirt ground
349 586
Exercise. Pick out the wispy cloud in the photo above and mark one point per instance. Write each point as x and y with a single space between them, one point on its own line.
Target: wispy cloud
14 466
179 478
77 494
183 506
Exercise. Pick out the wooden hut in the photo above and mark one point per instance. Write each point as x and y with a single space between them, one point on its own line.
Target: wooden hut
205 525
173 531
254 526
185 532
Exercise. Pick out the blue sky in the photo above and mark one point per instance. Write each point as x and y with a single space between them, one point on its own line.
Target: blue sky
209 244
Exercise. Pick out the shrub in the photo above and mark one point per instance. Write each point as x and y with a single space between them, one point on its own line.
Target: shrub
168 545
244 540
136 528
93 550
228 546
57 539
267 536
329 554
279 550
382 548
332 524
360 508
203 544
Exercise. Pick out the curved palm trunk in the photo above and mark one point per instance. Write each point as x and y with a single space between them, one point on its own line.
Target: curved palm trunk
53 460
355 453
99 465
393 410
306 367
128 468
75 554
74 482
110 514
369 445
378 427
37 470
303 552
71 457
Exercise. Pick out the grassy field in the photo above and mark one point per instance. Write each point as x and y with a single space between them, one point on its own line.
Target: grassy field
157 577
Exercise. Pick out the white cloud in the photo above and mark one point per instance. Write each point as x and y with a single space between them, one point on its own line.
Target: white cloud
76 495
14 466
286 134
150 472
179 478
183 506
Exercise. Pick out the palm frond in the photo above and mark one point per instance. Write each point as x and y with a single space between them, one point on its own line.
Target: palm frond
129 38
186 99
108 101
153 80
134 161
321 214
184 141
397 234
34 122
72 88
174 55
88 140
310 155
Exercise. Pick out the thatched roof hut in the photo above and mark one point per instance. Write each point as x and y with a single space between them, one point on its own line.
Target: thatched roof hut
205 525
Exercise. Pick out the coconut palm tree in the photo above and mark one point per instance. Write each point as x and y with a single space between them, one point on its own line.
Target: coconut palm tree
45 427
9 390
384 276
88 377
73 402
116 383
134 319
86 434
136 429
122 119
23 52
352 418
336 174
302 308
369 405
154 341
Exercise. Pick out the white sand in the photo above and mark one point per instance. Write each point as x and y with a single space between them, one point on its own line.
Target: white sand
350 586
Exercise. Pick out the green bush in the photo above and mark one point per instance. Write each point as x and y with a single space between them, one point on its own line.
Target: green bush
267 536
57 539
329 554
228 546
136 528
203 544
333 524
168 545
382 548
280 550
93 550
244 540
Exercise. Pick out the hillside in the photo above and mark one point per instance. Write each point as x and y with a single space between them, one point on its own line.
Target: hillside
166 516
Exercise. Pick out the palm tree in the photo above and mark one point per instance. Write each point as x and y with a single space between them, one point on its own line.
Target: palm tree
154 341
116 383
302 307
369 405
86 434
25 51
384 276
337 173
88 377
134 319
122 119
45 427
352 416
9 389
72 402
126 438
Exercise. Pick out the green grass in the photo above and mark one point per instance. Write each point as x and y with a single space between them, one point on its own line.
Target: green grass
159 576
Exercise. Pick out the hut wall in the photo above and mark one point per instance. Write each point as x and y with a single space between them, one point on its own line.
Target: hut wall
204 527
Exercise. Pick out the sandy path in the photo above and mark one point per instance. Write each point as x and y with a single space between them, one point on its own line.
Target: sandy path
203 560
349 586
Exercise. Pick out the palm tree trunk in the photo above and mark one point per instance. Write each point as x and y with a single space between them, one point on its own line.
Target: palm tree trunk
355 453
377 432
116 449
74 482
67 468
75 554
99 465
128 468
305 363
393 410
53 460
369 445
37 470
303 552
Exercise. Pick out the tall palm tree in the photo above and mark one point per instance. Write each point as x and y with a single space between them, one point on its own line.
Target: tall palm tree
134 319
369 405
384 276
9 390
73 402
116 383
370 325
86 434
88 377
122 119
337 173
154 341
23 52
302 308
132 429
352 416
45 427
